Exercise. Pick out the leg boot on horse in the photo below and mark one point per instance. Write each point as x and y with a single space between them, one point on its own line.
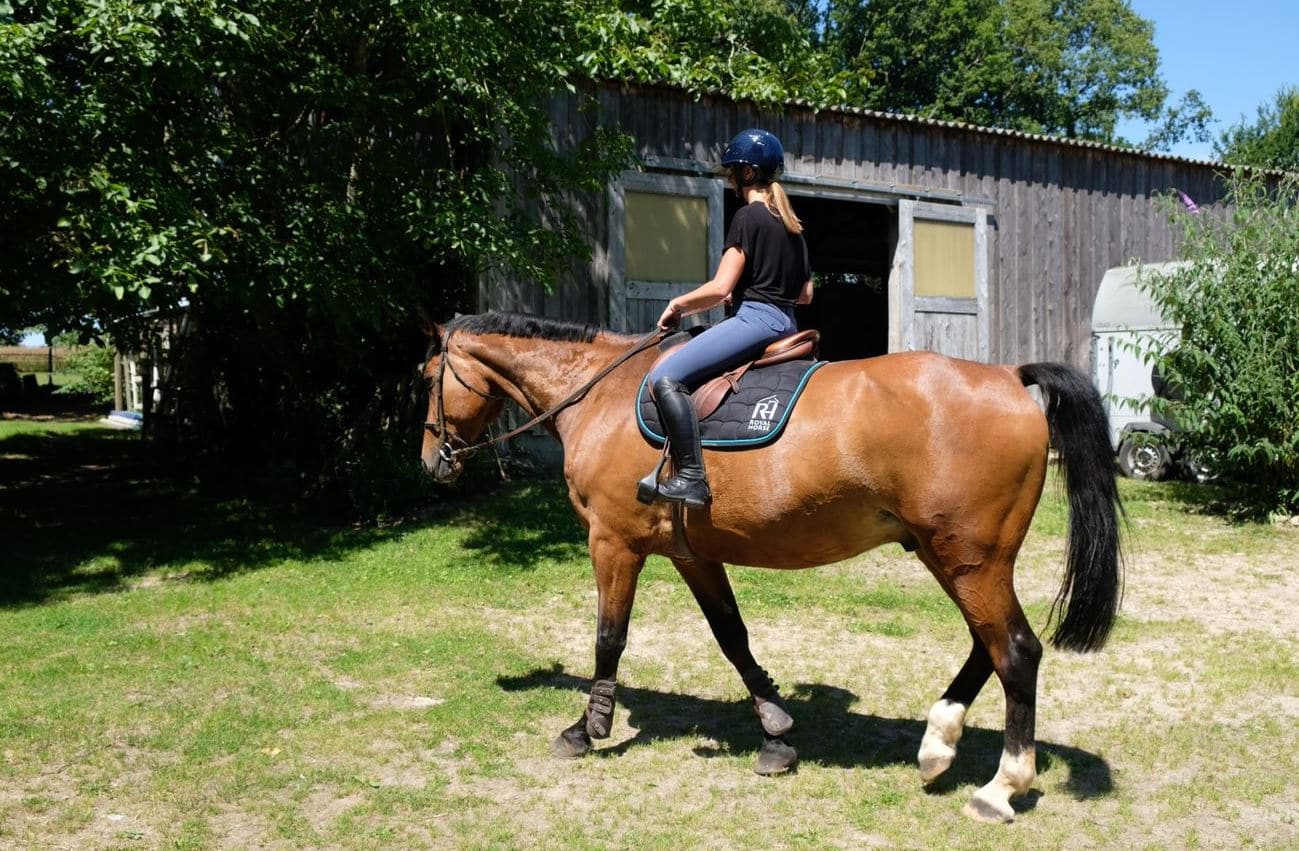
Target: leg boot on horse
690 483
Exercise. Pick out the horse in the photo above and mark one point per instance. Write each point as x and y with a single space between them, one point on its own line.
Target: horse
946 457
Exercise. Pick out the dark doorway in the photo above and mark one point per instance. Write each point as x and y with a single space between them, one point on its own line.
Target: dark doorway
850 244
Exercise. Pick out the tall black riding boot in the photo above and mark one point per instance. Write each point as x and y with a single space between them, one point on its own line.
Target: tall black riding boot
690 484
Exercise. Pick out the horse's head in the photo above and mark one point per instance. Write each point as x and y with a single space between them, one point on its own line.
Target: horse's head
462 402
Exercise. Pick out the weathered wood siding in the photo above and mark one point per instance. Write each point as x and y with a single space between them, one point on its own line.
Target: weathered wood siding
1060 213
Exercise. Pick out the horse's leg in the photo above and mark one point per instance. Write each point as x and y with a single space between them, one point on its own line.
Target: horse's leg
708 582
980 582
947 717
990 607
617 568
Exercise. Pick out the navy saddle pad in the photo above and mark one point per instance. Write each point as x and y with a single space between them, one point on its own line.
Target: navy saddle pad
754 415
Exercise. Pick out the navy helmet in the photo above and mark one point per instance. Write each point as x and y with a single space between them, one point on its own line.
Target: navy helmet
757 148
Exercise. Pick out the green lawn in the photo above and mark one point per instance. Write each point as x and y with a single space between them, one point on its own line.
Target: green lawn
182 671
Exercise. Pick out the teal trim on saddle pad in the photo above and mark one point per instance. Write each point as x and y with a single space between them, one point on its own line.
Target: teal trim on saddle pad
733 443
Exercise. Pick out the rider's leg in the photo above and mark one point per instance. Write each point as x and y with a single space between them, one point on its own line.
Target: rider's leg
689 484
727 344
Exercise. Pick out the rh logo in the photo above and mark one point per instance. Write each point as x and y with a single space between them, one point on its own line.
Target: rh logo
764 413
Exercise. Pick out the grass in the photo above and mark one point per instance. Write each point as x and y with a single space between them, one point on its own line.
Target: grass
184 671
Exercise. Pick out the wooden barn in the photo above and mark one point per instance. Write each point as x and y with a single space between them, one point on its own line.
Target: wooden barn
923 234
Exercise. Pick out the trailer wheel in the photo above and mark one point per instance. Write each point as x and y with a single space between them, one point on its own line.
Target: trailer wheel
1144 456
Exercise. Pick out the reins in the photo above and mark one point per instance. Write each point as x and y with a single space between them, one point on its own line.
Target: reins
449 453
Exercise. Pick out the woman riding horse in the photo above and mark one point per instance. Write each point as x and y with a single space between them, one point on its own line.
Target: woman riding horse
946 457
765 271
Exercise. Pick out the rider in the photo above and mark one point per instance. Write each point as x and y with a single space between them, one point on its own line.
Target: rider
765 271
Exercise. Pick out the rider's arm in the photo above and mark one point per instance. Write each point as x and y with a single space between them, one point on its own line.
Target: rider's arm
707 295
805 297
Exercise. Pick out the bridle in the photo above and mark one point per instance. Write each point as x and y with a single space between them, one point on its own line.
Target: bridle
448 453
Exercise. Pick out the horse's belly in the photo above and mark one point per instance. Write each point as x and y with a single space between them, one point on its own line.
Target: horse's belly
794 539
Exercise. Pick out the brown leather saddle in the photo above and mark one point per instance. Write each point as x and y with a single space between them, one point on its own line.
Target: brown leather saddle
709 395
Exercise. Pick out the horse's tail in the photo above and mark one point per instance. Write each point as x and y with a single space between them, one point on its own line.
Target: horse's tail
1088 601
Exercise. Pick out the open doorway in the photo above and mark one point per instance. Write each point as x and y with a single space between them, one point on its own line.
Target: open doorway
850 245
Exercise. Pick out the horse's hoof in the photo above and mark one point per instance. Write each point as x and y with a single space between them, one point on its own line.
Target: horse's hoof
775 720
776 757
935 758
989 811
572 743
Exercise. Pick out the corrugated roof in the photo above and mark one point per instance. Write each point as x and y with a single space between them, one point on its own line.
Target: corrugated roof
907 118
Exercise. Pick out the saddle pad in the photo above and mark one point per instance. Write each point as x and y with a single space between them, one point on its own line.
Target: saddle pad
752 416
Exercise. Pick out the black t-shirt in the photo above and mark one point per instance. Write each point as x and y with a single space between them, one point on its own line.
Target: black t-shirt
775 260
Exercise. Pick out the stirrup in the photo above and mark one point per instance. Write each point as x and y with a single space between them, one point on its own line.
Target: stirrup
647 489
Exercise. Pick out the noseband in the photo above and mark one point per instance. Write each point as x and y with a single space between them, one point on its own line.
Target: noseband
448 453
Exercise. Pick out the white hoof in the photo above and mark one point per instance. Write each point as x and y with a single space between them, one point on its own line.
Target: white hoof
989 808
1015 775
938 747
935 758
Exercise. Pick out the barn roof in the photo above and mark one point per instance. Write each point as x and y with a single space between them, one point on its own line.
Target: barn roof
907 118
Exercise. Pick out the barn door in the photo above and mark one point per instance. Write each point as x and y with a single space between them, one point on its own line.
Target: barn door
938 287
665 239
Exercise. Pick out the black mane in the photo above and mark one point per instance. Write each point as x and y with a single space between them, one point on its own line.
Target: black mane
516 325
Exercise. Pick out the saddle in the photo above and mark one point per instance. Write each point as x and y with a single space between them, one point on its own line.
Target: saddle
710 395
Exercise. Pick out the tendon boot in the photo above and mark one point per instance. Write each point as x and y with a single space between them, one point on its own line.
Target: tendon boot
690 483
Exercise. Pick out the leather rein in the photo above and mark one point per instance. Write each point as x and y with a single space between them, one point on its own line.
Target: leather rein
449 453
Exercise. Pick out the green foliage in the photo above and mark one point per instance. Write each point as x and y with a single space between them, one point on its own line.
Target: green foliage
305 180
1185 121
751 49
1271 140
1074 67
1071 67
1236 366
91 370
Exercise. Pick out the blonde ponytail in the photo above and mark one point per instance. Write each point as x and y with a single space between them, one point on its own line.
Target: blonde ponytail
778 203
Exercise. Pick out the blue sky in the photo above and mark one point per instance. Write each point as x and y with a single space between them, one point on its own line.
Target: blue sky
1237 54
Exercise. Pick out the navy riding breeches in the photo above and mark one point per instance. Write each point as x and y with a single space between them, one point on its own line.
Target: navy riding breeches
727 344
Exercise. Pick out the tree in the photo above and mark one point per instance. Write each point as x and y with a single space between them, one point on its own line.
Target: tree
1185 121
1236 362
1069 67
753 49
1271 140
305 179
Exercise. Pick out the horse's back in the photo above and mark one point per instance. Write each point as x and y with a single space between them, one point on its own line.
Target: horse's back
913 398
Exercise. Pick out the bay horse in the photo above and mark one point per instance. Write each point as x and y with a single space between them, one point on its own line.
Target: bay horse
946 457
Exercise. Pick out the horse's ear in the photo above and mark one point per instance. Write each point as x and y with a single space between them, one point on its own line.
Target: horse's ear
426 323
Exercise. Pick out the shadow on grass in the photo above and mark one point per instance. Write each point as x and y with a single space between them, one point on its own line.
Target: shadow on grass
827 732
525 523
85 511
1208 498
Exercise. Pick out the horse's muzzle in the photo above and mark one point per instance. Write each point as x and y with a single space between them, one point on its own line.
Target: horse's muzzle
442 465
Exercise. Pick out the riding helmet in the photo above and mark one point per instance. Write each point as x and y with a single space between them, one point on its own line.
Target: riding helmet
757 148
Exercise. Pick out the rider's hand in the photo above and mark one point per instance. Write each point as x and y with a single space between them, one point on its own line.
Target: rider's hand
671 318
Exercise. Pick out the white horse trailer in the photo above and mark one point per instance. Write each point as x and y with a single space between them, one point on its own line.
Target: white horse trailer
1125 325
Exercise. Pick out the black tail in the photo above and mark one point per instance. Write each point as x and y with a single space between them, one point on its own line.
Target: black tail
1089 595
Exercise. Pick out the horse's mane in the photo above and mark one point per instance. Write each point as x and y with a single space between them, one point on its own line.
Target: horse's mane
516 325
